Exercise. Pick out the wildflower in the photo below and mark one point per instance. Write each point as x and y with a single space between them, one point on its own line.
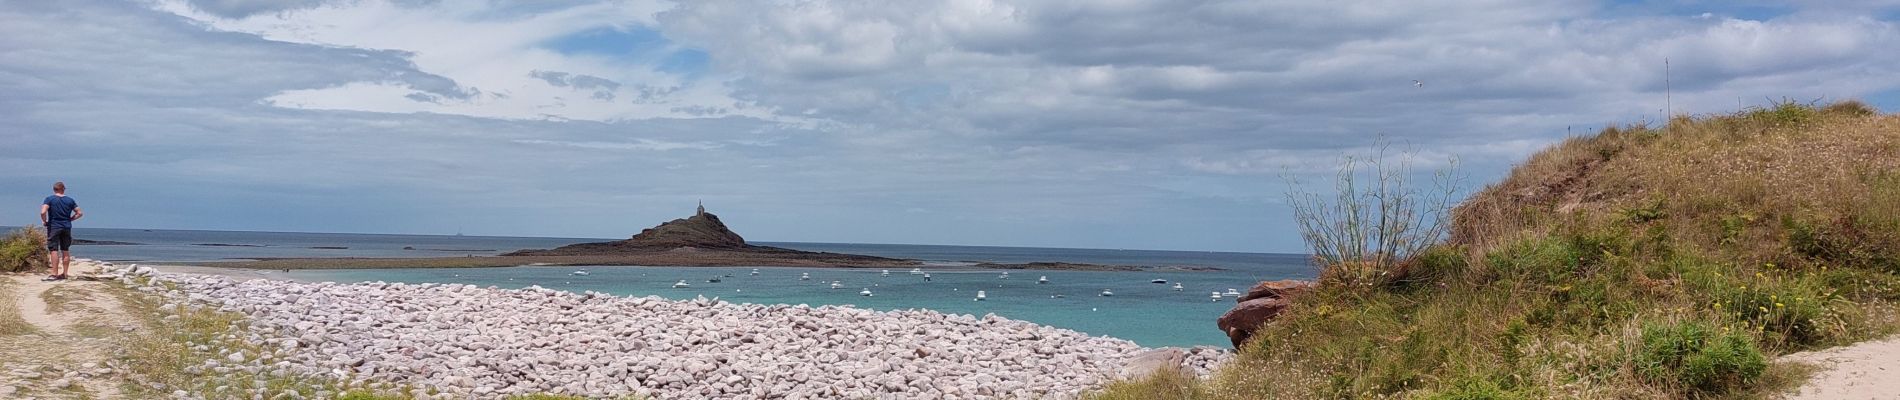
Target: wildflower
1778 305
1763 309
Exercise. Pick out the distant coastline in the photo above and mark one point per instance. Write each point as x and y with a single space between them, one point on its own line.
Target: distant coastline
654 260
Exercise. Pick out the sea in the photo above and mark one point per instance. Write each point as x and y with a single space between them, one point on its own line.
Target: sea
1125 305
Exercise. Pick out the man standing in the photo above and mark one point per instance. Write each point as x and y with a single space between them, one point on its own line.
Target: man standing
58 213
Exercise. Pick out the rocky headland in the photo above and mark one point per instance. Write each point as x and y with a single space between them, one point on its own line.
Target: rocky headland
473 342
701 240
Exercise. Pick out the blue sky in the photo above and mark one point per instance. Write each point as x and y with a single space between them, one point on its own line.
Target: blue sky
1104 124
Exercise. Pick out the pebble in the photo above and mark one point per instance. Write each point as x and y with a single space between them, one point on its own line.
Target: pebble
467 341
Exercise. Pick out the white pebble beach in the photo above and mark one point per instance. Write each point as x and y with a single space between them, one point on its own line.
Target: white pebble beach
483 342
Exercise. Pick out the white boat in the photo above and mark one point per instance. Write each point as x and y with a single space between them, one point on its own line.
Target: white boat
886 273
755 272
915 271
1177 286
682 284
713 280
1004 276
1055 296
1159 281
980 295
1231 292
866 292
836 285
1043 280
1215 296
926 277
580 273
804 276
1106 293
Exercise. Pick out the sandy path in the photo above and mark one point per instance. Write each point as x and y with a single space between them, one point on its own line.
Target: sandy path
70 354
1866 370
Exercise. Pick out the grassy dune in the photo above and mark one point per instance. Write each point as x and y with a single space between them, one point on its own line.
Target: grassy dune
1640 262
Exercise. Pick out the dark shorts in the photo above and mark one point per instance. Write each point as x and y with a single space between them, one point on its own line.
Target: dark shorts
59 239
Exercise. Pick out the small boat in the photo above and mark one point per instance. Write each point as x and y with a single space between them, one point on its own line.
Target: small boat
804 276
580 273
886 273
1177 286
926 277
1214 297
980 295
1004 276
1106 293
755 272
915 271
1044 280
866 292
1159 281
836 285
682 284
1231 292
1055 296
713 280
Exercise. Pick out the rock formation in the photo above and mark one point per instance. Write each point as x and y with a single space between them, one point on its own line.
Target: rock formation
703 230
1261 304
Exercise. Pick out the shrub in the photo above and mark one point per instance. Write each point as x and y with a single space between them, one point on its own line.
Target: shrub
23 250
1375 222
1692 357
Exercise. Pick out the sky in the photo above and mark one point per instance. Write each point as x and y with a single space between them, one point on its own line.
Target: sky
1096 124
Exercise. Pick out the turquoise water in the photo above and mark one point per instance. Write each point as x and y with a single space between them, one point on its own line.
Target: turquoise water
1149 314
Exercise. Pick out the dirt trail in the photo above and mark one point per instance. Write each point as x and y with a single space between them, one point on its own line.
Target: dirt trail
1866 370
77 327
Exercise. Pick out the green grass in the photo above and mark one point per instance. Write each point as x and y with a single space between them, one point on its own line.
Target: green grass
165 354
63 298
1671 262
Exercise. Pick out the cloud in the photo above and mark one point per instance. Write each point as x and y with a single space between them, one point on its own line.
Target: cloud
637 144
1126 124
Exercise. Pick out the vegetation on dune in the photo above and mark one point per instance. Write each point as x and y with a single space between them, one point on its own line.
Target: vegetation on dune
1671 261
171 354
23 250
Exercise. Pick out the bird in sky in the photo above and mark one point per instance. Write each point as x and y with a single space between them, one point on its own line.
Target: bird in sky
1416 83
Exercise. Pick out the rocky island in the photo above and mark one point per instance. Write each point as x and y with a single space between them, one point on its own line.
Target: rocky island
700 240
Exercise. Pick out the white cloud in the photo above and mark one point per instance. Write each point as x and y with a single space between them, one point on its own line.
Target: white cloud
1010 122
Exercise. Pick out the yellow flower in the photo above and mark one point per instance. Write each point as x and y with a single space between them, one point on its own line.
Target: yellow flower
1763 309
1778 305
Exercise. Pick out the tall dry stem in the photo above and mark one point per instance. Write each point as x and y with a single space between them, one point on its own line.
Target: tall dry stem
1368 230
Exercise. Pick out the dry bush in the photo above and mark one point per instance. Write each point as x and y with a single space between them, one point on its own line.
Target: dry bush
23 250
1376 220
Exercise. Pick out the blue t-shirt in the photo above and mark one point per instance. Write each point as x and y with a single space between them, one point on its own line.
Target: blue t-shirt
59 211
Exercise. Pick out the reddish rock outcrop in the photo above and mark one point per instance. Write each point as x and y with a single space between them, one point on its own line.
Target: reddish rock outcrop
1260 305
1275 289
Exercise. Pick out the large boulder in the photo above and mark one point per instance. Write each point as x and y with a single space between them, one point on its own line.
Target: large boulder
1275 289
1260 305
1166 359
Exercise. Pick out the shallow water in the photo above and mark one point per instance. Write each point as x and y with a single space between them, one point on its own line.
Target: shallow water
1147 313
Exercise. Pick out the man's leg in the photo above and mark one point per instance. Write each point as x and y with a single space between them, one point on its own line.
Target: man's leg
66 263
52 262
